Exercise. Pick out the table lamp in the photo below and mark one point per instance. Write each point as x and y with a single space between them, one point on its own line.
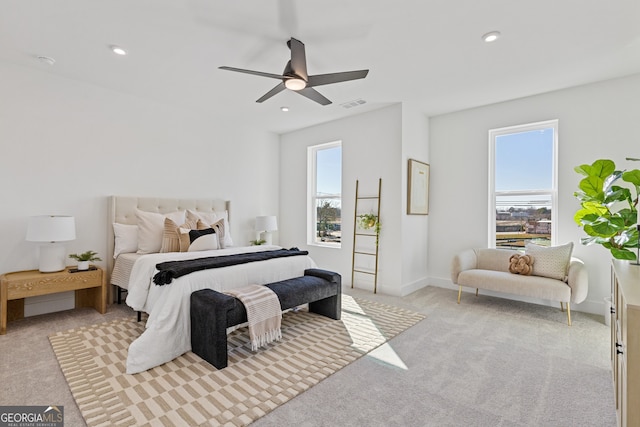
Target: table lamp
265 225
51 230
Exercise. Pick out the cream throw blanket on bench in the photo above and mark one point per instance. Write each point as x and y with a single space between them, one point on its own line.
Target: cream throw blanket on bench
263 313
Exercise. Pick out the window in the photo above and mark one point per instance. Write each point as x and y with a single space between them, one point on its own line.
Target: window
324 190
523 185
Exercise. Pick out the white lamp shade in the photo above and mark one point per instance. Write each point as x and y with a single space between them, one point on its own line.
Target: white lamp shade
266 223
51 228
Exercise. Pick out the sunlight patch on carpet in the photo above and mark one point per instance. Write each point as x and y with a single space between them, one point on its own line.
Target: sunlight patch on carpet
384 352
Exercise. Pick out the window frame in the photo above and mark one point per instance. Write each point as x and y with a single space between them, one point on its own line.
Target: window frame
552 192
312 177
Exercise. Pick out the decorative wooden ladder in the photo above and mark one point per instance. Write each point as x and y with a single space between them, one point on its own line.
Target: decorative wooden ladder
359 234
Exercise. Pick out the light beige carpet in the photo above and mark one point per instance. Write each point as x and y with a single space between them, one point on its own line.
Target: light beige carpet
189 391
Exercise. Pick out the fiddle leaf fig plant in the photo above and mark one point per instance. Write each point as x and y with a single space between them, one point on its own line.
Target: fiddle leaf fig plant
609 212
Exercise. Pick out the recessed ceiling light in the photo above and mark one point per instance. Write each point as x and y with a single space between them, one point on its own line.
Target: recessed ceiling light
491 37
117 50
46 60
285 109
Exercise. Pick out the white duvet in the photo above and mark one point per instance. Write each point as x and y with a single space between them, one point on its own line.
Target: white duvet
168 328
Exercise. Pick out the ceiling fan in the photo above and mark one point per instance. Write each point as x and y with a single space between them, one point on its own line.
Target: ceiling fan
295 77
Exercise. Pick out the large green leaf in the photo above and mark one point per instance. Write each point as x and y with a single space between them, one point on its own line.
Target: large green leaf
592 186
602 168
632 176
607 227
589 213
623 254
617 194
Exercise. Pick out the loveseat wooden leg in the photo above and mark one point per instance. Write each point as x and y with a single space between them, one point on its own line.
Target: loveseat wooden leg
569 313
459 293
561 306
476 291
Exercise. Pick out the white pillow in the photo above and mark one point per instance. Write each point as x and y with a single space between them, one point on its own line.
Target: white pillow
550 261
151 227
204 243
203 240
210 218
126 239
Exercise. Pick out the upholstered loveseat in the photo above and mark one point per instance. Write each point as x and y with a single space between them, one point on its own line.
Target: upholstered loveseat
488 269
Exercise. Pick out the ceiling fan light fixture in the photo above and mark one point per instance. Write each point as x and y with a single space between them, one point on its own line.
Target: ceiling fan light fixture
295 84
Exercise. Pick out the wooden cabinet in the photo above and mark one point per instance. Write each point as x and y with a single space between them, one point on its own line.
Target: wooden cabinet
89 286
625 341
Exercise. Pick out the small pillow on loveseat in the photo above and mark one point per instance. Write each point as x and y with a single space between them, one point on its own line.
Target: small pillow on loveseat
551 261
521 264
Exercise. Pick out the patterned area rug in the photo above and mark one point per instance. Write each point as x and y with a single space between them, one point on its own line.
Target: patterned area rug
190 391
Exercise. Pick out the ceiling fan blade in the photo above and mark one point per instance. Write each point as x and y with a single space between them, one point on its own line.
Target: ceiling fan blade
326 79
255 73
298 58
279 88
314 95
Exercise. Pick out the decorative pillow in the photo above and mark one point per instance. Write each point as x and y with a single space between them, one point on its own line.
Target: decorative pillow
551 261
521 264
219 228
210 218
171 236
198 240
150 227
126 239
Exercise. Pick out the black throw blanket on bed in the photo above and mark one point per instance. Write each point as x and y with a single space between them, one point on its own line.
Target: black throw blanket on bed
167 271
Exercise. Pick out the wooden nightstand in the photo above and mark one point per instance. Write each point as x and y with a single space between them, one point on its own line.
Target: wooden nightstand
90 287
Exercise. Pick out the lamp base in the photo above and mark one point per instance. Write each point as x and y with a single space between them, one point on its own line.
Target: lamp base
266 236
52 258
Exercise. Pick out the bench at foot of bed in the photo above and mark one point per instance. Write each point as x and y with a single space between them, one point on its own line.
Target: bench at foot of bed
213 312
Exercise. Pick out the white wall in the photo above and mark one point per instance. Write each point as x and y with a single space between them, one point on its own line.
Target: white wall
415 145
67 145
375 145
595 121
371 149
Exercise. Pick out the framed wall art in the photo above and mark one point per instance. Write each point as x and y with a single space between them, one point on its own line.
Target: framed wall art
418 188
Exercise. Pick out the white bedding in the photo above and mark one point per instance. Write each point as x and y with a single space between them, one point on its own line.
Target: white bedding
122 269
168 328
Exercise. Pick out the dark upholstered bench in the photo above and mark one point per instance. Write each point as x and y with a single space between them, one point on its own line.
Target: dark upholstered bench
213 312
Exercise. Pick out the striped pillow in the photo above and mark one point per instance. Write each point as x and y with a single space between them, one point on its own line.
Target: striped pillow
171 235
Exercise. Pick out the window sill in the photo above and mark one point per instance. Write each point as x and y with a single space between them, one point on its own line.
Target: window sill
325 245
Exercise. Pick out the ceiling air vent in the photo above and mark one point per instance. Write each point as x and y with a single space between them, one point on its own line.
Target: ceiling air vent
355 103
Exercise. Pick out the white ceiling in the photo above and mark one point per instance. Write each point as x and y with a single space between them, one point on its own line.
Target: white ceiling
425 52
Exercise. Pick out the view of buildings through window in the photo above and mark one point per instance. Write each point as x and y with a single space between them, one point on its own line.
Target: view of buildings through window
326 193
523 185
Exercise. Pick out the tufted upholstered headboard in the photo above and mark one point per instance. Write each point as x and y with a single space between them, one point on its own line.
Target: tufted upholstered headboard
122 209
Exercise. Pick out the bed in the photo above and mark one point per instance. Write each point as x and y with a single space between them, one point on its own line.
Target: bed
167 329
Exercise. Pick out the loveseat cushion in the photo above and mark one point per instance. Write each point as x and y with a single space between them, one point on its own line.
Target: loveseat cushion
493 259
501 281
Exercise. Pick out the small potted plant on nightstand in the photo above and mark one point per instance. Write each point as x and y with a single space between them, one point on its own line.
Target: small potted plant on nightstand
84 259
